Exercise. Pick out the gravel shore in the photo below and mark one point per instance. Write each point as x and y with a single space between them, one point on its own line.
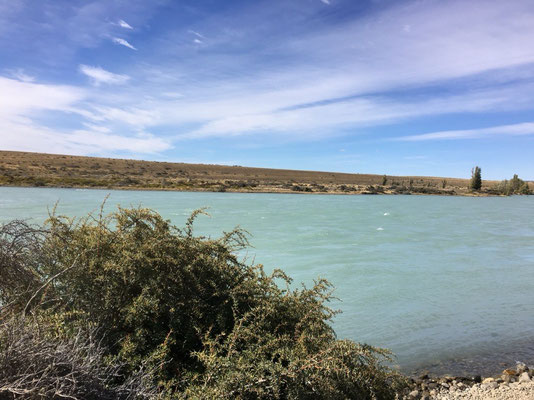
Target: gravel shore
513 384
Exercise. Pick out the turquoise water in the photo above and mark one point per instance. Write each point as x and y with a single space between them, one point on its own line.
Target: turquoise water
441 281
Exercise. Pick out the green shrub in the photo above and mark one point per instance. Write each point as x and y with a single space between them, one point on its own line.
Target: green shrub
512 186
187 308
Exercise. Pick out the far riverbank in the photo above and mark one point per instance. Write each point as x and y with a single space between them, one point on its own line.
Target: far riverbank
19 169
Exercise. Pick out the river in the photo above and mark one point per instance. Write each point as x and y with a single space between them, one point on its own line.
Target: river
447 283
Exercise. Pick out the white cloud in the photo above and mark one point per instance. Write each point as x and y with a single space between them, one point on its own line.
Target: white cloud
99 75
325 1
123 24
23 103
526 128
123 42
255 115
336 69
339 69
26 136
19 98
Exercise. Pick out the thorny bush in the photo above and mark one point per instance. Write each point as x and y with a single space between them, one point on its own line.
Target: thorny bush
184 308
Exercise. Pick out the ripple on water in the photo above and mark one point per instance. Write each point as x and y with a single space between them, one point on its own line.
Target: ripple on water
442 280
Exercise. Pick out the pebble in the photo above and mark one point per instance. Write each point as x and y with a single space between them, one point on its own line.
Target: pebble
513 384
524 377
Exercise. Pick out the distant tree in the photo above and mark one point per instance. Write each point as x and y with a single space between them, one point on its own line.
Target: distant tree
513 186
516 183
384 180
444 183
476 178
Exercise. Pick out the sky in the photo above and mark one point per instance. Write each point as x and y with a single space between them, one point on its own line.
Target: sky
422 87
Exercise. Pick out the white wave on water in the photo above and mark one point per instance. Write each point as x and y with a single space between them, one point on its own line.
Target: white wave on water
379 229
386 213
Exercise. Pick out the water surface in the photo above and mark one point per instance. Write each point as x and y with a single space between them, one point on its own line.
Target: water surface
445 282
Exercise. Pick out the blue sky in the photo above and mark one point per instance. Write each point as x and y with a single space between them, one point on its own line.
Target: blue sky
397 87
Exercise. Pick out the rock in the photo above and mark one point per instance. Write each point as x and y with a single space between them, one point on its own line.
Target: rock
477 379
432 385
521 367
511 372
488 380
489 385
524 378
423 377
445 385
414 394
506 378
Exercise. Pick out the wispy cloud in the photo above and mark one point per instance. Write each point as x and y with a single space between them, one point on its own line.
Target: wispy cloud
196 33
21 99
22 76
99 75
28 136
123 42
526 128
123 24
23 104
326 1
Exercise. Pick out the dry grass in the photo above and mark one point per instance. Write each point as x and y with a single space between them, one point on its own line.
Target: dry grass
36 169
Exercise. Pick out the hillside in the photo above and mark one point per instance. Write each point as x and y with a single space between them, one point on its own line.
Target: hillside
36 169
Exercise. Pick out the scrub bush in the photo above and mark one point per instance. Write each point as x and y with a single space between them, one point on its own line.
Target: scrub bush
36 364
186 308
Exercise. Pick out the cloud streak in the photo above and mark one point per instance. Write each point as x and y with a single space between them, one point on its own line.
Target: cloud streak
123 42
123 24
99 75
526 128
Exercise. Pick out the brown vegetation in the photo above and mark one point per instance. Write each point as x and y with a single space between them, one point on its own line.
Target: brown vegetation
36 169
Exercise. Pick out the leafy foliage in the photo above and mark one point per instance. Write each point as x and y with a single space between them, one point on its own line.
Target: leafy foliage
204 323
513 186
